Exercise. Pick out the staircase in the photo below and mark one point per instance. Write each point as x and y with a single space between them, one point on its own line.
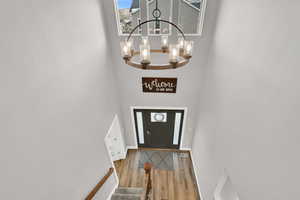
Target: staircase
128 193
134 193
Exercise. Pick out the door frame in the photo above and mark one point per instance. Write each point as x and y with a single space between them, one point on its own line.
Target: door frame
185 109
110 157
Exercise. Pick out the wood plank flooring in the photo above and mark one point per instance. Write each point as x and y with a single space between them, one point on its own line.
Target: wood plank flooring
178 184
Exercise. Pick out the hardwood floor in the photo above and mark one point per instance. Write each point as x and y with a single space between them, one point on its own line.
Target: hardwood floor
177 184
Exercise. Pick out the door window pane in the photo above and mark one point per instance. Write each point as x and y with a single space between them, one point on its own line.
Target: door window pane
140 127
177 128
158 117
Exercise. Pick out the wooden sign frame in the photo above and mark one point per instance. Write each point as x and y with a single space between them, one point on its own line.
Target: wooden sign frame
159 85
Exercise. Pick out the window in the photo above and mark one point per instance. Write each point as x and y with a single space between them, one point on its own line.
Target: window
187 14
140 28
177 128
165 6
191 15
140 127
128 14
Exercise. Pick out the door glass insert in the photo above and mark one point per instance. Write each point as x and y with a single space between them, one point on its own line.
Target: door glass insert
177 128
140 127
158 117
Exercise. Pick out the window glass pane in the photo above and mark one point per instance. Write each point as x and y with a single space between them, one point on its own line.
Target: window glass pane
139 117
176 128
165 6
189 15
128 12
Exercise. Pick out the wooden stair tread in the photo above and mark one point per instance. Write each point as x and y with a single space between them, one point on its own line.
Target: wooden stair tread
117 196
129 190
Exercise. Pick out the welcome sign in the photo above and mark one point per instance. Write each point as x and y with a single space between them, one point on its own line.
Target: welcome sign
159 85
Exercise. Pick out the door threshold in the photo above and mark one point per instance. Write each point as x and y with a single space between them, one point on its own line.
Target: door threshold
162 149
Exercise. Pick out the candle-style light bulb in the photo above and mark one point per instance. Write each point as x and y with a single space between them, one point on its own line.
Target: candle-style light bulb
145 40
126 50
173 54
129 44
145 54
188 49
181 43
164 43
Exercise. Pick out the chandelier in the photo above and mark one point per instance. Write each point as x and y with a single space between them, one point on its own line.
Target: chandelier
179 53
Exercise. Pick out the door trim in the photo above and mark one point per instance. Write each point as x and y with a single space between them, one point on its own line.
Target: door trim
185 109
110 157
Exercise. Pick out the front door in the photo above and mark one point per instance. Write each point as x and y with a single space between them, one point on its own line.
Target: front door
158 128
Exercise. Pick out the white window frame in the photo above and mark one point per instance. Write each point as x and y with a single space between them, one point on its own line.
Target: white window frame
200 19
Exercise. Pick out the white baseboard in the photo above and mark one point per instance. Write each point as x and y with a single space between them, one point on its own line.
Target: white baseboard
197 181
132 147
186 149
126 150
112 192
129 147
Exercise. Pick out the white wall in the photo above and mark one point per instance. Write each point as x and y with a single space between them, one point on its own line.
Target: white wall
251 104
57 99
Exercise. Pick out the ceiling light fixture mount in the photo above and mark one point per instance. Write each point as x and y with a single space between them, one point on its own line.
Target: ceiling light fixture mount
179 54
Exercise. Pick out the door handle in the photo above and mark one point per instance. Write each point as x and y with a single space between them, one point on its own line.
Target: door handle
148 132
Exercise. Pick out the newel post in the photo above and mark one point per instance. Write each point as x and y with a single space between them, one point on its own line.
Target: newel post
147 168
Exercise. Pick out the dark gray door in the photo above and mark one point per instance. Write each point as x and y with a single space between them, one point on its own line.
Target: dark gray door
158 128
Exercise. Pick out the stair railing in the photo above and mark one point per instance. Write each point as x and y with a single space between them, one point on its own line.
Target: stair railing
91 195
